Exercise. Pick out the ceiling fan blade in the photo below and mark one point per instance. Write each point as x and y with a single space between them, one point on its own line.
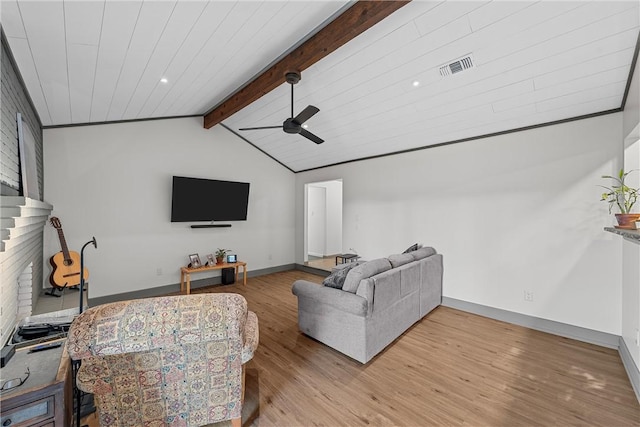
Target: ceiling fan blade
306 114
262 127
311 136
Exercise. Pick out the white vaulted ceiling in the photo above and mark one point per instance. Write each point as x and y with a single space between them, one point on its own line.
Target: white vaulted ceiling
535 63
96 61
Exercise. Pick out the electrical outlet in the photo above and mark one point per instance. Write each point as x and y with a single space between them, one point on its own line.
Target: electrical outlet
528 296
158 271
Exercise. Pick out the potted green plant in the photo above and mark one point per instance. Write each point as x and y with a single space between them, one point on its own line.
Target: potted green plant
220 254
624 197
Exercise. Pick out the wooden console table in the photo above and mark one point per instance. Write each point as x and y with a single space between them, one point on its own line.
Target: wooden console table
45 398
185 272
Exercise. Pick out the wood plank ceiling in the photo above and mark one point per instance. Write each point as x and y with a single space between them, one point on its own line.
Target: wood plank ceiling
351 23
534 62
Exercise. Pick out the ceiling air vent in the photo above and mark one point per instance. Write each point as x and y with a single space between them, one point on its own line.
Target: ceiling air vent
457 66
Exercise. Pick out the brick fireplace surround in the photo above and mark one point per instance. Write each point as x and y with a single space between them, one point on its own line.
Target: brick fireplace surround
21 259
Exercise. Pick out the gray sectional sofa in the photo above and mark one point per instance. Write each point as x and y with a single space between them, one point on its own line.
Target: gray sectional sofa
379 300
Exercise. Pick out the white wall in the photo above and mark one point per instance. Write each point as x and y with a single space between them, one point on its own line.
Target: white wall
631 251
510 213
631 262
114 182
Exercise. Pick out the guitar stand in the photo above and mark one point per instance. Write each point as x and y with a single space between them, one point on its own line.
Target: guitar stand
54 289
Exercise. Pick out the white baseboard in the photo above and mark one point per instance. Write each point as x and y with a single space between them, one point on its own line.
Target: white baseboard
629 365
556 328
165 289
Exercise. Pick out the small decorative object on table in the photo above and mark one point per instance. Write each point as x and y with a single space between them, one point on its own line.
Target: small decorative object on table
195 261
210 260
623 196
220 254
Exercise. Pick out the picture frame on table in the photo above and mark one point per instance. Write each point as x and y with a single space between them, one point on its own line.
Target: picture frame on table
211 260
194 261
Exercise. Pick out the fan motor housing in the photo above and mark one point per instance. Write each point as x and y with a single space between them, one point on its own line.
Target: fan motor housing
292 77
291 126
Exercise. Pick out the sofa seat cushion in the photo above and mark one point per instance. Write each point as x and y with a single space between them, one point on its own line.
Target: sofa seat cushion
364 271
397 260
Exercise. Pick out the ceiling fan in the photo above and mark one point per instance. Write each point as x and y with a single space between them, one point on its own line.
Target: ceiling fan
294 124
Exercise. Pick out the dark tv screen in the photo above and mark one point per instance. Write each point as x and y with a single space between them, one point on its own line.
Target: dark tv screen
197 199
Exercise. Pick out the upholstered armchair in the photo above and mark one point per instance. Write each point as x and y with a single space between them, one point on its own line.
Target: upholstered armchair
167 361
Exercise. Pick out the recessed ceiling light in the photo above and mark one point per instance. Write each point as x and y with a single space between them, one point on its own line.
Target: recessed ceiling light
416 83
163 80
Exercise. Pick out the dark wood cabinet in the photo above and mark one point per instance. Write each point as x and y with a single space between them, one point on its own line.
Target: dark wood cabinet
45 398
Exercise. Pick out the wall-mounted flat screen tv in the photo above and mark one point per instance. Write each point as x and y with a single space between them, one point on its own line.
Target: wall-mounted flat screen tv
197 199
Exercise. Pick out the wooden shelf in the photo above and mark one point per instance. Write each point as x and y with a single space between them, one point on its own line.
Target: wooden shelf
632 235
185 273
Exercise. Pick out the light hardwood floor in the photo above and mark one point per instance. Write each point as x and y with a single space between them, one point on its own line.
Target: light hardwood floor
326 263
451 368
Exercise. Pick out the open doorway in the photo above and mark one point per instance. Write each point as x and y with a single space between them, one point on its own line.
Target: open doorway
323 223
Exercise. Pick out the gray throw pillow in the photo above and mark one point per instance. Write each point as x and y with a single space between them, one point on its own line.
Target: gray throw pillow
364 271
336 279
411 248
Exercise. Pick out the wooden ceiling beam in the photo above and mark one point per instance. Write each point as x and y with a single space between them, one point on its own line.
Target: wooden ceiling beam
354 21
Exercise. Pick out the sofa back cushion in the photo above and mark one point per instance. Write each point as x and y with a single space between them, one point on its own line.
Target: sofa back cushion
364 271
423 253
397 260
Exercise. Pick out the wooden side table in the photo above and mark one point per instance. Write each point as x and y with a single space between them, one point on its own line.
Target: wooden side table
45 398
185 273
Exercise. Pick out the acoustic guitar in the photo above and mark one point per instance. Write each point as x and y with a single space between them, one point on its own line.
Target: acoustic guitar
66 264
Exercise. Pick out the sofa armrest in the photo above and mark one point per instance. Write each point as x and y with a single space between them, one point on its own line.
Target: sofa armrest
94 376
337 298
251 337
366 290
